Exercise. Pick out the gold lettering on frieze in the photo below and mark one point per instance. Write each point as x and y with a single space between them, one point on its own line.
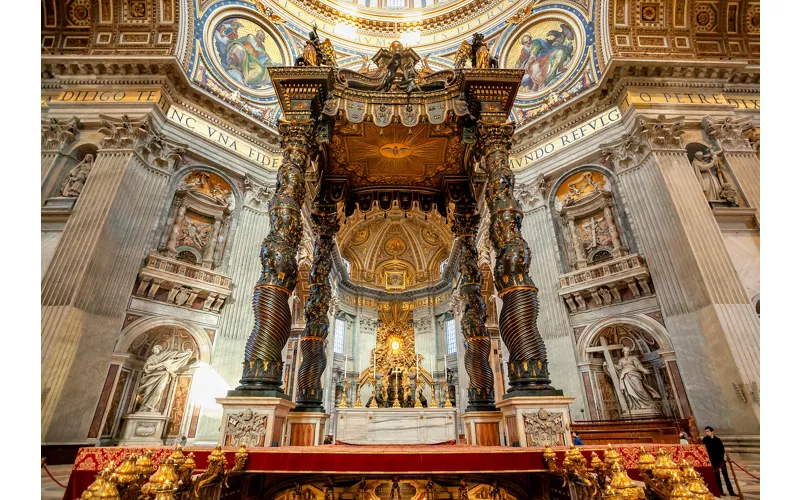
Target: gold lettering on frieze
238 145
575 135
644 99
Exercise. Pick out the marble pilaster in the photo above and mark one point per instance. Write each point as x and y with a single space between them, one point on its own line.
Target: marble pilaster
714 329
98 256
729 135
538 230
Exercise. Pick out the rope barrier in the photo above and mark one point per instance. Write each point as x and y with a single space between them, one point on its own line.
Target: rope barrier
51 476
745 471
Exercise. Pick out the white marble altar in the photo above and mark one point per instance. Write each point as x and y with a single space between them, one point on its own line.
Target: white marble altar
395 425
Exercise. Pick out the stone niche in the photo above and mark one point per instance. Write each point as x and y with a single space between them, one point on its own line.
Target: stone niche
645 384
185 270
602 272
174 409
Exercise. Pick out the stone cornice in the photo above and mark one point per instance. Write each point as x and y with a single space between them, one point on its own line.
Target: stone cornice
721 76
63 72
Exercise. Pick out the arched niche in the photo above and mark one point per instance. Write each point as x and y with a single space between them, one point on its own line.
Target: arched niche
601 344
199 222
72 172
134 346
591 224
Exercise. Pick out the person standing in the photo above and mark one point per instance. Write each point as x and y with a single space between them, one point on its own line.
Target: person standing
716 453
576 440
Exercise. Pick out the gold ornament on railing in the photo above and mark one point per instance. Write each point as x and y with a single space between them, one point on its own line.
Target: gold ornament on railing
164 483
127 472
240 464
694 482
144 465
646 461
622 487
215 472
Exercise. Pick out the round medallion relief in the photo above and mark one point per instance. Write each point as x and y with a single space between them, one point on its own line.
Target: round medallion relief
395 246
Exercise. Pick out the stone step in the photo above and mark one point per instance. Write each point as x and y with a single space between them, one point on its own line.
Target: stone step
742 443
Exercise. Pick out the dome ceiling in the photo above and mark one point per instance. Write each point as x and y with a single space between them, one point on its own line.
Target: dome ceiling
395 250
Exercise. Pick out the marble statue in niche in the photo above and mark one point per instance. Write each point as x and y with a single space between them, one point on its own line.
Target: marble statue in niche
631 374
76 180
710 172
159 368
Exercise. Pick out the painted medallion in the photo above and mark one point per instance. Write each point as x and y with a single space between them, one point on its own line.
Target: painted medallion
244 50
546 52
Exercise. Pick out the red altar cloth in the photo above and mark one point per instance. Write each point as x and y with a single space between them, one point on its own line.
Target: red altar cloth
416 459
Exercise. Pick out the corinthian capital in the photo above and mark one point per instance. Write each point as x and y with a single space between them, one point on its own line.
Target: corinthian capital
58 133
650 134
159 153
496 136
124 132
730 133
662 132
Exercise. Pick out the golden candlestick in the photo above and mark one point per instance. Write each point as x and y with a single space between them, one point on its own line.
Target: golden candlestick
447 403
358 398
396 403
374 402
343 402
433 404
417 402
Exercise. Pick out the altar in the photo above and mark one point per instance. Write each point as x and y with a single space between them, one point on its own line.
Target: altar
395 425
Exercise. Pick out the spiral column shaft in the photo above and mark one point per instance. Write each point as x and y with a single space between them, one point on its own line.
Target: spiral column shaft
263 360
312 340
480 393
527 364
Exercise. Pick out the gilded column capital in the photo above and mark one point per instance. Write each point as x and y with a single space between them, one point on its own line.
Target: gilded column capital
730 133
58 133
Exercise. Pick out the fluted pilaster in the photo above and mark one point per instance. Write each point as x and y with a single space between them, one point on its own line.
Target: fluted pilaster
705 308
730 135
85 290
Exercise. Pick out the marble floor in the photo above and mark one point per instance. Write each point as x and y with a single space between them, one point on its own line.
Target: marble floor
50 490
750 487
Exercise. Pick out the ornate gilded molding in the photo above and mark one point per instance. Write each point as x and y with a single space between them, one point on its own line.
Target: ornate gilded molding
58 133
729 133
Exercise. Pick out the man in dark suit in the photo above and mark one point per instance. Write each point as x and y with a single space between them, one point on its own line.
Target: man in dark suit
716 453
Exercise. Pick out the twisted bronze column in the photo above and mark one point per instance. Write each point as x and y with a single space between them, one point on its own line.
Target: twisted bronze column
312 340
527 364
480 393
263 361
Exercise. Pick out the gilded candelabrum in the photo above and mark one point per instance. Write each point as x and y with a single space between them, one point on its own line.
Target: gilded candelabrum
527 363
480 394
343 401
446 391
312 340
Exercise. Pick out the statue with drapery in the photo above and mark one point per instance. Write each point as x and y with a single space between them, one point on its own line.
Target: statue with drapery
159 368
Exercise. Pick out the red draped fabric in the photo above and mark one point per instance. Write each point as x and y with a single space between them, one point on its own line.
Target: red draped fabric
400 459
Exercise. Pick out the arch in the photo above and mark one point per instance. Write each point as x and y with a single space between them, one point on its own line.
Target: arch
641 321
144 325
